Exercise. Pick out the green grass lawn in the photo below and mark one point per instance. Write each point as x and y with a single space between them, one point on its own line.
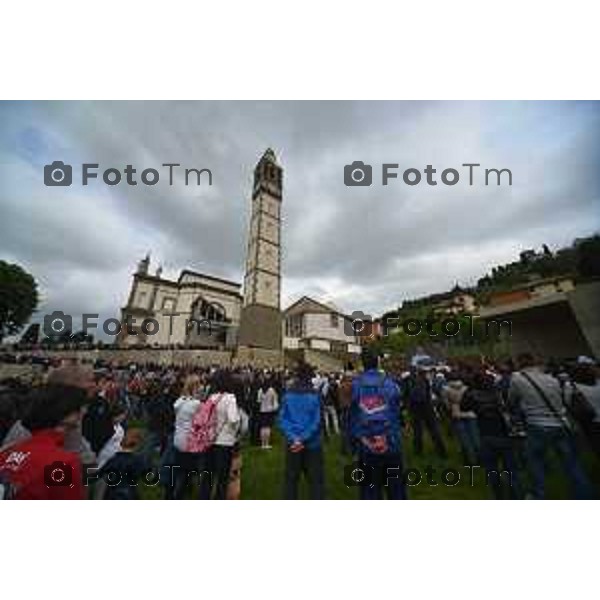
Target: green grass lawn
263 474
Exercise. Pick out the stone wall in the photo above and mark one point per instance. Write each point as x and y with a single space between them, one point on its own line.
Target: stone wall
260 326
322 361
258 357
26 373
319 325
163 357
585 303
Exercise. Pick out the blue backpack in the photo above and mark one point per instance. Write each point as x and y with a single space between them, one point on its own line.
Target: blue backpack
373 414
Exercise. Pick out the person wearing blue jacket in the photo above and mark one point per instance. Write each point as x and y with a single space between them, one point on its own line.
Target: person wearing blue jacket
300 423
375 431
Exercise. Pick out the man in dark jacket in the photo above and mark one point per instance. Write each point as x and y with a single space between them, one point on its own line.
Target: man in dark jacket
496 446
421 410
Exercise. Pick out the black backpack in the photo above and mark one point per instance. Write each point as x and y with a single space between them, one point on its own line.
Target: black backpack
97 426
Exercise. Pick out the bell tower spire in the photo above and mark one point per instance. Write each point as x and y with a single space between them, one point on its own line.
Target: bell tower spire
260 324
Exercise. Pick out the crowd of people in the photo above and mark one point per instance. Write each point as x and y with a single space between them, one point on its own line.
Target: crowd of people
96 431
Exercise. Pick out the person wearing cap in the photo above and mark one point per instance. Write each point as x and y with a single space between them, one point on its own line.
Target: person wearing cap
39 467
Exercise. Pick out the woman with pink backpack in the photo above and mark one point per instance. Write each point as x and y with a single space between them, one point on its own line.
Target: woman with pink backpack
185 461
229 423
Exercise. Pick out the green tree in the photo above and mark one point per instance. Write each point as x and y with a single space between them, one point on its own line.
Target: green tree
589 257
18 298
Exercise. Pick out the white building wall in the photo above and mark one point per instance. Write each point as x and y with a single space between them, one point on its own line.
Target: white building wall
162 337
151 295
320 345
291 343
143 295
198 278
318 325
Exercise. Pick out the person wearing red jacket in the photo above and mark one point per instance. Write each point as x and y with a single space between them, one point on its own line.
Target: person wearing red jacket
39 468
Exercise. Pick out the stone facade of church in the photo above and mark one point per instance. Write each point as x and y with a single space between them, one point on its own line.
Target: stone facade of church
199 311
202 311
196 310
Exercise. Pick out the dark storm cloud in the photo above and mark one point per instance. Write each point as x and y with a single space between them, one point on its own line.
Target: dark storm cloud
359 247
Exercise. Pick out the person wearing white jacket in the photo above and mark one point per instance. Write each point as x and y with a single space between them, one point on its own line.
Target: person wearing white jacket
185 409
268 404
229 424
184 462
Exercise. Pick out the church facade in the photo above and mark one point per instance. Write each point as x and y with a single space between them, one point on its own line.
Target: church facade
203 311
195 311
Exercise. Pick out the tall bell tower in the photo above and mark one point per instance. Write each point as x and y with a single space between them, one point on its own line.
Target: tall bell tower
260 323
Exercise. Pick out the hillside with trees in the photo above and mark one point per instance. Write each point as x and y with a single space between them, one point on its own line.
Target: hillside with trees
580 260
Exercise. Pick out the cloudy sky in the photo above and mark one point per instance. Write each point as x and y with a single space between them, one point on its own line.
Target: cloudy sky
360 247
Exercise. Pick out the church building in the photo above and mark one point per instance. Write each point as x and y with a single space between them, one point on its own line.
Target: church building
203 311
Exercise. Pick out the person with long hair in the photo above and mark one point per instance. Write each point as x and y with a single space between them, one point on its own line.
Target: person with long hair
484 399
229 424
268 405
184 463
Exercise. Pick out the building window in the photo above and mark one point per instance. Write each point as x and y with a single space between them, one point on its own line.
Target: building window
294 326
333 320
168 304
141 298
